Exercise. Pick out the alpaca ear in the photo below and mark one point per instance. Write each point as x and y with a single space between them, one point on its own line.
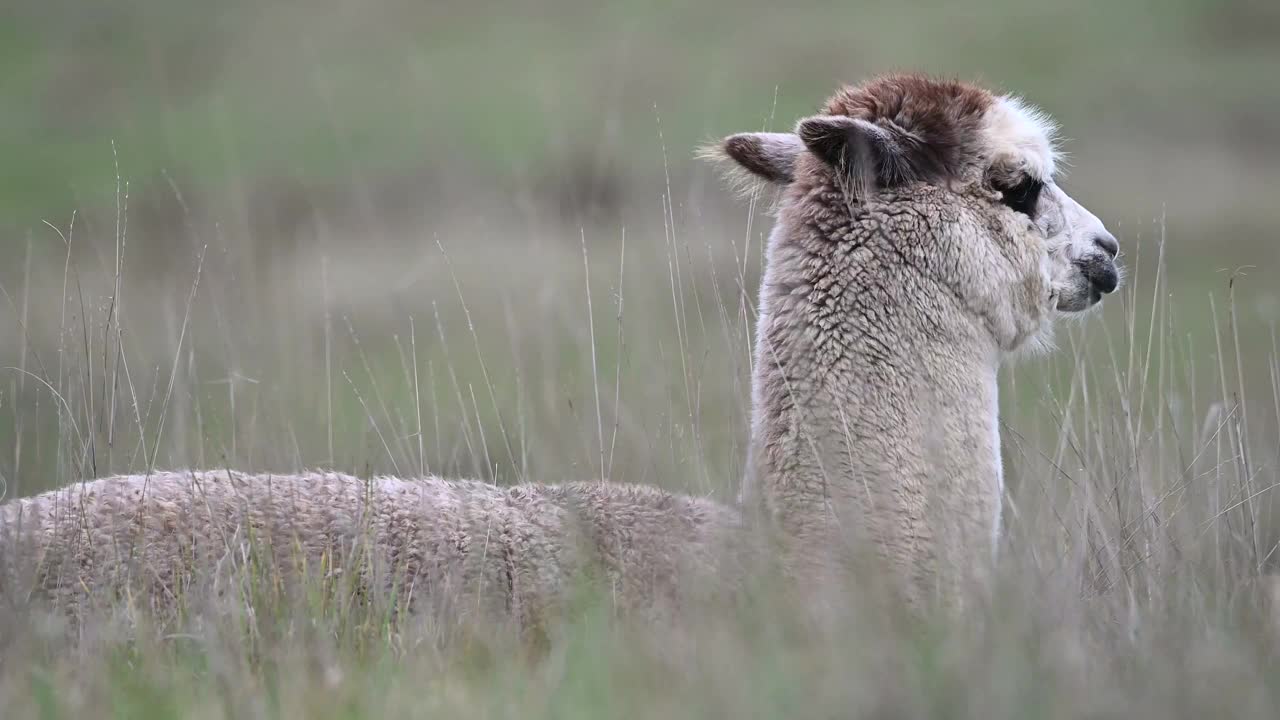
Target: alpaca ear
871 155
766 155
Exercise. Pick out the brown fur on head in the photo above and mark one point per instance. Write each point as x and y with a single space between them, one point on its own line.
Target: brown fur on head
897 129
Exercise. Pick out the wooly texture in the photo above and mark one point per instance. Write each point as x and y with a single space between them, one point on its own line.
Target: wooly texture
514 552
920 241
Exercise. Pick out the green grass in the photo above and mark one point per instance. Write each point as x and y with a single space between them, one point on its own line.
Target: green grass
1140 460
233 101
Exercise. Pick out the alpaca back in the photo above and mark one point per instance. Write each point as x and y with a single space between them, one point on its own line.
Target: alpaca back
474 548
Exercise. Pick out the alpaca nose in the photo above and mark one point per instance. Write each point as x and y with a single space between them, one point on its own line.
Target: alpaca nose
1108 244
1101 273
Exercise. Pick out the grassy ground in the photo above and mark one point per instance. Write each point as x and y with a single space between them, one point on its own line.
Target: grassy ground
1141 458
401 240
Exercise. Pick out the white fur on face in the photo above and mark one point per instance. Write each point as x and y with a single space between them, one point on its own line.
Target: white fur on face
1070 236
1019 134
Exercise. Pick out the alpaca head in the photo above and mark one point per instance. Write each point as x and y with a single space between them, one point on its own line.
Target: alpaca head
957 155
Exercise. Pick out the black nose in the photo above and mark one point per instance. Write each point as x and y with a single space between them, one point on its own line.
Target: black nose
1101 273
1107 242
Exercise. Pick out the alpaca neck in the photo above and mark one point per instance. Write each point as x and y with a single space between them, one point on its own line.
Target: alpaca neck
886 433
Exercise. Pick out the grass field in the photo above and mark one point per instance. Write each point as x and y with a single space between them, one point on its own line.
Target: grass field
457 241
1140 459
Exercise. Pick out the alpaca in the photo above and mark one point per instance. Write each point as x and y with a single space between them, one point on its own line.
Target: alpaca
919 241
504 552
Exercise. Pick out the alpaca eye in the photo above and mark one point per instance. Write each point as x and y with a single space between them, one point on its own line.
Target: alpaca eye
1022 196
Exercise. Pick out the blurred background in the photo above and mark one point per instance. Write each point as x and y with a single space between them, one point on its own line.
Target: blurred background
473 238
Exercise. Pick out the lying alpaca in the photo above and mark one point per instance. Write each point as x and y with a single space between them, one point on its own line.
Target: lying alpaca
513 551
920 239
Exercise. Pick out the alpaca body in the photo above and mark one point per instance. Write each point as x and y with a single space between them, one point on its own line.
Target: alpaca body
876 395
919 241
514 551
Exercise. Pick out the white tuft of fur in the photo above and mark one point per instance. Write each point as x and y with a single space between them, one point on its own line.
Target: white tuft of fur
737 179
778 151
1019 133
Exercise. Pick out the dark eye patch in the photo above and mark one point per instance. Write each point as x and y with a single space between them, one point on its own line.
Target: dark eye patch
1023 195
